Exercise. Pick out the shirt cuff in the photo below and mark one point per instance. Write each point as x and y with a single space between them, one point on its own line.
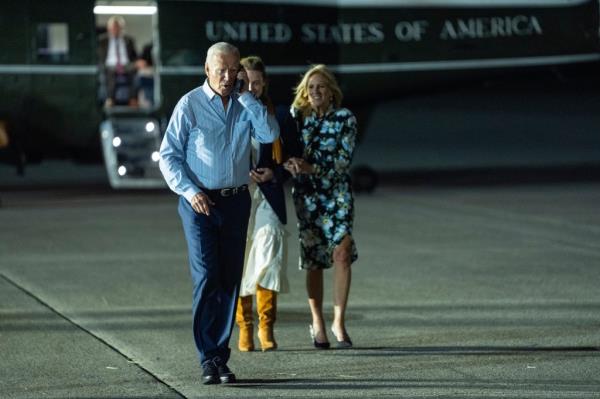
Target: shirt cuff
245 97
191 193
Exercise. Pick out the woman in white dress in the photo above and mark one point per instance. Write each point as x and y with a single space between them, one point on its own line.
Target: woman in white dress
266 249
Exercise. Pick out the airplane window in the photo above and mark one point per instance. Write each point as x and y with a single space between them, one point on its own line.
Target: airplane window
52 42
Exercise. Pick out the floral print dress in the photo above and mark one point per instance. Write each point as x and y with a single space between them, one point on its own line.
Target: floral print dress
323 200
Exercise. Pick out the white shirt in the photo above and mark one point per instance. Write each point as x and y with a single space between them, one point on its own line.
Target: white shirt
111 57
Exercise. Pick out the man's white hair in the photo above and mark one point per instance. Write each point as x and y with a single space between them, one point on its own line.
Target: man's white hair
221 48
116 19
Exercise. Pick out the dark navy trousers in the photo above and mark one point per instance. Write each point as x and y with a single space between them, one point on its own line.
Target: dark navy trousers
216 245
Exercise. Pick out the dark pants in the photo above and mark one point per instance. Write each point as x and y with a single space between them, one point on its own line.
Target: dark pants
120 86
216 245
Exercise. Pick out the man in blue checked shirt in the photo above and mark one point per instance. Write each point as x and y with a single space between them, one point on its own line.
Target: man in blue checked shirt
205 158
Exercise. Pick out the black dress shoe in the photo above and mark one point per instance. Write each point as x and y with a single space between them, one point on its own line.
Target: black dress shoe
345 343
210 373
225 375
318 345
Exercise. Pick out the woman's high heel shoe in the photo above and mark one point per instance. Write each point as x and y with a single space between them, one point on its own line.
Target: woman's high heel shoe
346 343
318 345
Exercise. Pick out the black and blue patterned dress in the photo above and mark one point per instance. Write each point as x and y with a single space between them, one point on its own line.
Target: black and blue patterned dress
323 200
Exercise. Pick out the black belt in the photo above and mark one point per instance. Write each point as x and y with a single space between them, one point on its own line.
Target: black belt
229 191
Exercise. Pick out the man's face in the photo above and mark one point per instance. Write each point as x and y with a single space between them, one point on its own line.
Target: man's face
221 71
114 29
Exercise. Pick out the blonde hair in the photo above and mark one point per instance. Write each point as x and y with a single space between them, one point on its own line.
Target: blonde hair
301 99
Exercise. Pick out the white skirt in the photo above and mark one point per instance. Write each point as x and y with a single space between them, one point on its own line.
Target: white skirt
266 249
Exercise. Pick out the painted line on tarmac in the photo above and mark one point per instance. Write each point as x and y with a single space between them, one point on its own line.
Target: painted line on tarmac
79 327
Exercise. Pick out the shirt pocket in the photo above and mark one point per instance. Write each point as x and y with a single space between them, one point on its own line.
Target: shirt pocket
242 132
242 127
205 140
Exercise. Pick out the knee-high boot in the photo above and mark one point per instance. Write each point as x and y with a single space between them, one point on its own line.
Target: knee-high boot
266 305
244 320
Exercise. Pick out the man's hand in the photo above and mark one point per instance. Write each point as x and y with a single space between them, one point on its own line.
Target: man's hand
201 203
261 175
243 77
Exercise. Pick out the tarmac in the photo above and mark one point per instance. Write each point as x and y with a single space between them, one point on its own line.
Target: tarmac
460 291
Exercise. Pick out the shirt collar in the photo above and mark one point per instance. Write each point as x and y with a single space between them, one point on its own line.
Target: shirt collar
211 94
208 91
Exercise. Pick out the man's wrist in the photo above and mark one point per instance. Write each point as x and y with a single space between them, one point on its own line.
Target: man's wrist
191 193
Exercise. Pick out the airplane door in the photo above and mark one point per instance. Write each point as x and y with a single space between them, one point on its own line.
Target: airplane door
131 131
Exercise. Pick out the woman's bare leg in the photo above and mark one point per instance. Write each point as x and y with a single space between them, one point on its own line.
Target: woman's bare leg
341 286
314 288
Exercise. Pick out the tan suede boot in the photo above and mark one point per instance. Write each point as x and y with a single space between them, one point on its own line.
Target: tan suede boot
244 319
266 306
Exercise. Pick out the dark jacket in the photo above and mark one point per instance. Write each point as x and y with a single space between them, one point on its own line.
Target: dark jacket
272 189
292 147
103 50
289 128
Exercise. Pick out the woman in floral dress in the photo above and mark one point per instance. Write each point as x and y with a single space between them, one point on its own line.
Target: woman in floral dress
323 196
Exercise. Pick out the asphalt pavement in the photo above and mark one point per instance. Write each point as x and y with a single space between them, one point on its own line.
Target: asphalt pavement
462 291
